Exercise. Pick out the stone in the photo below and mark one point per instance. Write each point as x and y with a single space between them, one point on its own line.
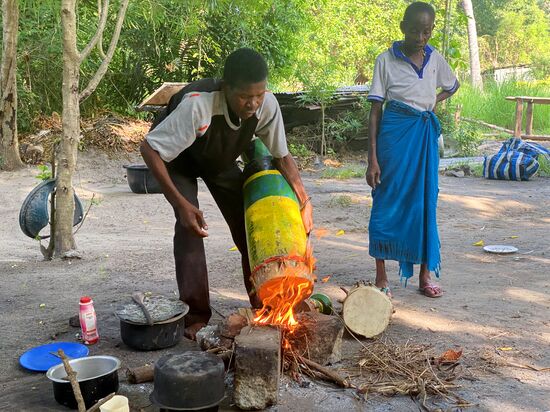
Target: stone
455 173
317 337
257 367
232 325
209 338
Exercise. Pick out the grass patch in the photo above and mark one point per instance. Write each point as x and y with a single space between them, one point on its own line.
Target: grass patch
544 166
347 172
340 201
491 106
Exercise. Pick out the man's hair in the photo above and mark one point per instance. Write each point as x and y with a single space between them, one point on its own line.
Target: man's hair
416 8
244 66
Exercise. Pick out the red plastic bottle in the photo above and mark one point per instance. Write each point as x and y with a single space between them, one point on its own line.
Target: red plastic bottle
88 321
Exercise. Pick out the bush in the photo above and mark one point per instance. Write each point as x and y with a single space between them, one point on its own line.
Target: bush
466 136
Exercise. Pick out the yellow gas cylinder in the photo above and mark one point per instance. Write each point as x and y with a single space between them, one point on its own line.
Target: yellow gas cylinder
275 233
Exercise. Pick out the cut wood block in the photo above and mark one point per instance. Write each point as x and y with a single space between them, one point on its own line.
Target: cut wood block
317 337
367 311
257 367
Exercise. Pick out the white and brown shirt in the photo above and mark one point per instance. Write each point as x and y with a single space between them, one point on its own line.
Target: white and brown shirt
197 132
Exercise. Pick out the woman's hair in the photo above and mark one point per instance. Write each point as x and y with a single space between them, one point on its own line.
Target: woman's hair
418 7
244 66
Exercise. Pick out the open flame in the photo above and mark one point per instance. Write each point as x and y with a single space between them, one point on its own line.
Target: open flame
283 294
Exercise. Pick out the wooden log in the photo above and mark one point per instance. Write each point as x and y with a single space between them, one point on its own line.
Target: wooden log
141 374
367 311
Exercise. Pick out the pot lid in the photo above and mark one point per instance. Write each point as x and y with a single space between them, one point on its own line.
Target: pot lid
161 308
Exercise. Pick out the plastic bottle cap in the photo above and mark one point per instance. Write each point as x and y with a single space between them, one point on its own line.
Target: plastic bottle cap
85 299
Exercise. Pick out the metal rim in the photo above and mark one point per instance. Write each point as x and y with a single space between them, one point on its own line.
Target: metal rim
53 369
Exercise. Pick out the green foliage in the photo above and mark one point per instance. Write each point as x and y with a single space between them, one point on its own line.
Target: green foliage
45 172
466 136
544 166
310 45
342 173
340 201
512 32
491 106
299 150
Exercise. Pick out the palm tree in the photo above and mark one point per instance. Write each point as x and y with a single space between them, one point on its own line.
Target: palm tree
475 67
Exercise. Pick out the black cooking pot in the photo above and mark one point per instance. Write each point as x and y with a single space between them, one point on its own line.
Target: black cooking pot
160 335
141 179
191 380
97 377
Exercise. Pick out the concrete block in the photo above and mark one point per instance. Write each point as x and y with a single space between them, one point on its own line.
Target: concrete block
257 367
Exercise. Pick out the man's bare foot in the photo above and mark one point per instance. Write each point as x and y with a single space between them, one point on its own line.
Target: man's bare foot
190 332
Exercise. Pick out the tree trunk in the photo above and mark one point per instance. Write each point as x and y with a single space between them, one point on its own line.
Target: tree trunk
475 67
9 145
64 197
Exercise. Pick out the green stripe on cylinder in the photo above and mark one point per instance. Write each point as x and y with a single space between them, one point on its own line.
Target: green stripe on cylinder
267 185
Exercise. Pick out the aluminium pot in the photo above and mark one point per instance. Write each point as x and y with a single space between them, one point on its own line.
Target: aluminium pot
97 377
160 335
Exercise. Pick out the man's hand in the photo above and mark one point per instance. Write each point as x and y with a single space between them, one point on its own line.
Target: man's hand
373 174
192 219
307 217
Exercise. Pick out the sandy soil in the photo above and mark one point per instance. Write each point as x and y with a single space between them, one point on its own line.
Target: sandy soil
490 302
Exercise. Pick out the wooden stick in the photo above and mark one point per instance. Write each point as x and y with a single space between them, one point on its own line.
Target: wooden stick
489 125
505 130
333 376
533 368
74 383
101 402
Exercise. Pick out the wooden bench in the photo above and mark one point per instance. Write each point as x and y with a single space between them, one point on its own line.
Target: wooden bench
520 100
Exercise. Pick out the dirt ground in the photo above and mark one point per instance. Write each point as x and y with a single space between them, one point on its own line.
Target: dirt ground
496 306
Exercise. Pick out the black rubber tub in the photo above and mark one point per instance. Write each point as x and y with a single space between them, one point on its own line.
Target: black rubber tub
141 180
97 377
158 336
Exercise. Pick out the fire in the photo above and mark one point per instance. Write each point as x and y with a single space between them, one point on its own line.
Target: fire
281 295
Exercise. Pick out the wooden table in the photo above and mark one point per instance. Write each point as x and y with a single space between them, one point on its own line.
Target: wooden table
520 100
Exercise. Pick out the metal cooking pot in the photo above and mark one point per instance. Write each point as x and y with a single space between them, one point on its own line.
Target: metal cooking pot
160 335
191 380
96 375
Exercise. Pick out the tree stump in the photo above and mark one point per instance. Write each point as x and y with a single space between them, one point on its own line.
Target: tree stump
367 311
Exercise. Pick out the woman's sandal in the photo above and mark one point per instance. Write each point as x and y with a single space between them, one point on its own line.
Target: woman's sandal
431 290
387 291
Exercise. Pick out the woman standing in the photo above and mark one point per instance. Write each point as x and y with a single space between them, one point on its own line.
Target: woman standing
403 151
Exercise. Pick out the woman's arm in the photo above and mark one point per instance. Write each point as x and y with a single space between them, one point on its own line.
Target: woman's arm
445 95
373 169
